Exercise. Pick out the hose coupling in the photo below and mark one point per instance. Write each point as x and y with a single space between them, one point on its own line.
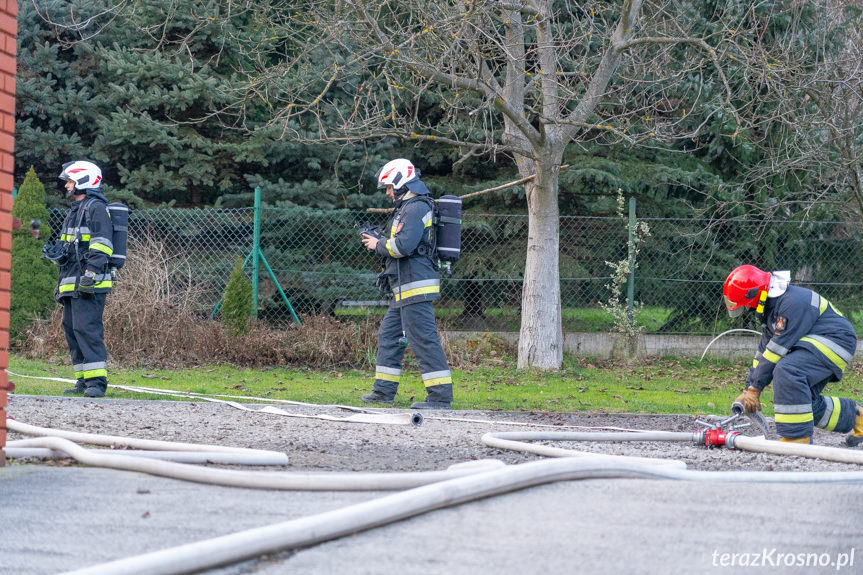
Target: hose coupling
715 437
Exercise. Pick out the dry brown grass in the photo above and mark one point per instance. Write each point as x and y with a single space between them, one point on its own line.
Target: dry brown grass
152 319
488 349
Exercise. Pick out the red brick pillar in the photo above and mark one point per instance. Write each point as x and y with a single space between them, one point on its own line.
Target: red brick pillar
8 50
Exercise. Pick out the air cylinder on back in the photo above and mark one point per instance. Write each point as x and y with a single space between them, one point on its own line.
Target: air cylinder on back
120 221
449 228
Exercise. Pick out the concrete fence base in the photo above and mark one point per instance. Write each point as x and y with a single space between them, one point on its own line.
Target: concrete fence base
611 345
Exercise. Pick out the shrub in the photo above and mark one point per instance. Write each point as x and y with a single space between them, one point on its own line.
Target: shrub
237 302
33 279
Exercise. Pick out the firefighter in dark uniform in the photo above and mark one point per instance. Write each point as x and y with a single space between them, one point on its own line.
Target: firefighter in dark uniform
82 254
805 344
414 281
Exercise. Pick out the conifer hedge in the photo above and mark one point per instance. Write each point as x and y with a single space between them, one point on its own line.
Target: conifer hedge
33 279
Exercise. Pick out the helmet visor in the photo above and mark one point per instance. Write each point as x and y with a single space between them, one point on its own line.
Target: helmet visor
734 310
378 181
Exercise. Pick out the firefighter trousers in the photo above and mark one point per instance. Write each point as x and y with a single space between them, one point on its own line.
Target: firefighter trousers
421 332
85 335
798 380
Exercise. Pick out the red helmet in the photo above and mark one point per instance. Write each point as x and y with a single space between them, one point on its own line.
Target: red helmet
744 288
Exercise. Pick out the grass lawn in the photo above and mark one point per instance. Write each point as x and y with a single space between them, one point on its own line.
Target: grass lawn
667 385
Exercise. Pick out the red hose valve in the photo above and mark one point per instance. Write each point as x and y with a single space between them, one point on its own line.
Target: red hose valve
717 437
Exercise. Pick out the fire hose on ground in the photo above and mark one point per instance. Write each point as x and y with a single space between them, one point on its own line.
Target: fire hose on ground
425 491
294 481
517 441
314 529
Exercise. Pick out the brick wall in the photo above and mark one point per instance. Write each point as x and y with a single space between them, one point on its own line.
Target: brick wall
8 50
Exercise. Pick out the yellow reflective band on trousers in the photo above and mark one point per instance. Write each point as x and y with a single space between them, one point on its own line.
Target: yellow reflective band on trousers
415 292
793 417
91 373
834 416
437 381
829 353
387 377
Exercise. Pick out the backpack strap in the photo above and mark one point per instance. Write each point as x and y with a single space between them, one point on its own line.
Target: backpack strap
81 213
431 251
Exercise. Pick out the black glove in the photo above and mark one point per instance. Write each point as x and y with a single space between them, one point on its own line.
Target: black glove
87 283
383 282
57 253
368 229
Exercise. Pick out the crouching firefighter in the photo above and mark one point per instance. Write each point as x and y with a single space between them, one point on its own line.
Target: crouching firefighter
806 343
411 276
82 253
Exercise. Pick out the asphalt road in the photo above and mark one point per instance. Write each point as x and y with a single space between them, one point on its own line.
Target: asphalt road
55 519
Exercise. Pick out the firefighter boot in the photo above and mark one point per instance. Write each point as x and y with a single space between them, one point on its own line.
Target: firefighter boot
377 397
382 392
77 390
855 438
806 440
439 397
95 387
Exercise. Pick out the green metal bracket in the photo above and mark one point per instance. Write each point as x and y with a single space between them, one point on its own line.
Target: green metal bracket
257 256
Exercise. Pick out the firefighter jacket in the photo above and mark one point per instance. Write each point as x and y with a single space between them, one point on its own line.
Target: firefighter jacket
407 252
86 235
800 318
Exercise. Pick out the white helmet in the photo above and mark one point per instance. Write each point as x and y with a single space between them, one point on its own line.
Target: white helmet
396 173
86 175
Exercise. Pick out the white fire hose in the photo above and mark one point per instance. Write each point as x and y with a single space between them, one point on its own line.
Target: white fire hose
229 549
425 491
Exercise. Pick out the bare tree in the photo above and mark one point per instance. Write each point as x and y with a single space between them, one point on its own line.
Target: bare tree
514 79
824 111
805 110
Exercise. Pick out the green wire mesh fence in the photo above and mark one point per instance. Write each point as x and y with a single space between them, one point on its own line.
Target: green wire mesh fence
323 268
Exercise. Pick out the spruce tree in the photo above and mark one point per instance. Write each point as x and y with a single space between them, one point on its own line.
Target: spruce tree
237 302
32 279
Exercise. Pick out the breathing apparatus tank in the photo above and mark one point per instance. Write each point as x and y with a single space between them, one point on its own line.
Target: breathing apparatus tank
120 221
449 231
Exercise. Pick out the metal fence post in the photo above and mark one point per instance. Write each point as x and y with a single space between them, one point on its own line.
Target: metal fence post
256 251
630 289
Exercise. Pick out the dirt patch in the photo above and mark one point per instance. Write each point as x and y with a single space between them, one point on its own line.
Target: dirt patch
445 438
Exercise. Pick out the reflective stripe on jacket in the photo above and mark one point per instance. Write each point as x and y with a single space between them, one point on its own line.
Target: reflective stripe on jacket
801 318
406 249
89 244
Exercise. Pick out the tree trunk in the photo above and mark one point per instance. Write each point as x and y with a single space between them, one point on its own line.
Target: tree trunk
540 344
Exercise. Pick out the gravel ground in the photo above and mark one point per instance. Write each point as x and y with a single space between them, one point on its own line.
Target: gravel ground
444 439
